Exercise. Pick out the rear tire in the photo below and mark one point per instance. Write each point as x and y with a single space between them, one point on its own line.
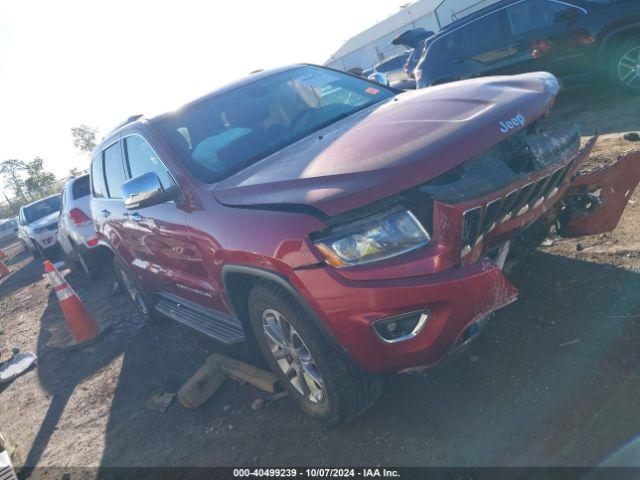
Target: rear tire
38 252
86 264
144 301
88 267
624 67
322 380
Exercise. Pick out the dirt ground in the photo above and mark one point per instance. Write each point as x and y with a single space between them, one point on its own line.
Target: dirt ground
553 380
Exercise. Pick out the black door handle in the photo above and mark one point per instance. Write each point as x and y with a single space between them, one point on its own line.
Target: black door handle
106 213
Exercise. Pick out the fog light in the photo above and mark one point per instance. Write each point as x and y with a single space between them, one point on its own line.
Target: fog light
400 327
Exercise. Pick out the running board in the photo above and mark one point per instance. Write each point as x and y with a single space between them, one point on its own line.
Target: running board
225 330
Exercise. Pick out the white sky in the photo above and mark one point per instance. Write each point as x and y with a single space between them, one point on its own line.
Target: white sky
64 63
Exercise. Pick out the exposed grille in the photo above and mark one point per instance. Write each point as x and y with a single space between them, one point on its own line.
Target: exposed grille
480 220
52 227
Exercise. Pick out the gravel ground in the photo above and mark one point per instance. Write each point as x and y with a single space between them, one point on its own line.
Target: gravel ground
553 380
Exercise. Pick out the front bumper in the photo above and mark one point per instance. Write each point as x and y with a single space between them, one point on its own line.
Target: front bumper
456 299
46 240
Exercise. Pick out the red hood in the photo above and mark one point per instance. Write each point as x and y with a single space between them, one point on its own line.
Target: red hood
393 146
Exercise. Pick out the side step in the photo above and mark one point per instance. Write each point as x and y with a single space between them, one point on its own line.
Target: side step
225 330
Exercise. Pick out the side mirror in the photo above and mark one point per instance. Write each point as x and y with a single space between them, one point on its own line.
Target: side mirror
380 78
144 191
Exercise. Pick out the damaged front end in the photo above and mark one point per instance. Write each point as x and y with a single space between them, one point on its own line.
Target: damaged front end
501 202
595 201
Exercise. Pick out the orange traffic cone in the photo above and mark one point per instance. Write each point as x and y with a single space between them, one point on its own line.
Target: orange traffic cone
82 325
4 271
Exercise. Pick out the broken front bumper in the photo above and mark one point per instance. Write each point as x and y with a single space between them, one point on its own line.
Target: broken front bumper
455 299
610 188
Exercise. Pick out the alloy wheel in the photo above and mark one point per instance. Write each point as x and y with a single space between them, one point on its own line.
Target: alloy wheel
629 68
292 355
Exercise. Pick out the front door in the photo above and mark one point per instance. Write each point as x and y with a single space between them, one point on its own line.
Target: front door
163 253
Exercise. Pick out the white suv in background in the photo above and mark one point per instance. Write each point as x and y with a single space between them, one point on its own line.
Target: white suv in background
76 232
38 226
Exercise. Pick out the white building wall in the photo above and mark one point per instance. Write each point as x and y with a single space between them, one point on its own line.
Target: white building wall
380 48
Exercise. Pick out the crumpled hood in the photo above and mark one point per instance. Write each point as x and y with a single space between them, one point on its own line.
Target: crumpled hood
45 221
393 146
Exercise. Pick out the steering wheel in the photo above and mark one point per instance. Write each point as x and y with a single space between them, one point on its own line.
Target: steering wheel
302 114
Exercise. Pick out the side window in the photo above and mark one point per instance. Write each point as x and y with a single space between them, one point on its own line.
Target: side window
114 170
532 15
142 159
97 177
80 187
480 36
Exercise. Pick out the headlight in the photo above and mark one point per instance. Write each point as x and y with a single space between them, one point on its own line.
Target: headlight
39 230
373 239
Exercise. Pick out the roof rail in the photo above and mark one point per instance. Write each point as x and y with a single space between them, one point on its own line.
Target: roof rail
132 118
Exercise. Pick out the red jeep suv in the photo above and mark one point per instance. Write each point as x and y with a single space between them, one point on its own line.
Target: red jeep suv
347 228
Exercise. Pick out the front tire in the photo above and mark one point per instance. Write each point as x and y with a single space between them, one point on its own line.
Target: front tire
33 250
323 381
624 68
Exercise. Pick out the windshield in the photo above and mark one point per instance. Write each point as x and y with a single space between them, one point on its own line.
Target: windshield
226 133
42 209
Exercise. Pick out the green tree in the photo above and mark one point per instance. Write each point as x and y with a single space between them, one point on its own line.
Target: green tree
38 179
84 138
12 171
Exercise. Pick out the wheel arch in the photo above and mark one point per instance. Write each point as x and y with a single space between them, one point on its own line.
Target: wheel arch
238 281
613 40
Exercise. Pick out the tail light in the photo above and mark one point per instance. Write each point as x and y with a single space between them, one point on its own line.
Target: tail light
79 218
540 48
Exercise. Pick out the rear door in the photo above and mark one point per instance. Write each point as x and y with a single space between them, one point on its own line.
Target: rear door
107 208
479 47
547 35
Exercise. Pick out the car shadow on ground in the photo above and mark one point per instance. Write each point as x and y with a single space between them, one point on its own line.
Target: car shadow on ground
553 380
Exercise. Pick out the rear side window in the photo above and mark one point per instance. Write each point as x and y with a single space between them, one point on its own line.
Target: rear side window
80 187
97 177
480 36
114 171
532 15
143 159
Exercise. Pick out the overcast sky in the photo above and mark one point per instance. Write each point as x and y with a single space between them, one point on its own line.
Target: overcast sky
63 63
